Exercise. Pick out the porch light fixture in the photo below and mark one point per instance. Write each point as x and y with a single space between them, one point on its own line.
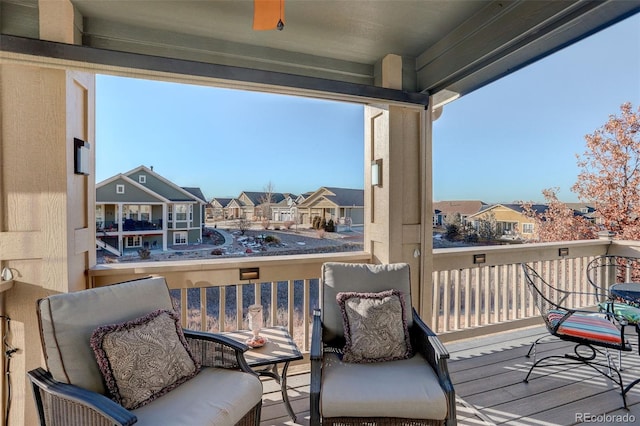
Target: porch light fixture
7 275
249 273
376 172
80 157
564 251
479 258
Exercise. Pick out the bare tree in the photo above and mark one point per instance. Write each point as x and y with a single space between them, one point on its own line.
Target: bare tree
243 224
266 200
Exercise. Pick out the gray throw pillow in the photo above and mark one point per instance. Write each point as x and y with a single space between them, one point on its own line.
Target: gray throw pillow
375 326
143 359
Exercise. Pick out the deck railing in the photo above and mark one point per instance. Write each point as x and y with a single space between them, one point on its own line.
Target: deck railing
210 293
482 289
469 298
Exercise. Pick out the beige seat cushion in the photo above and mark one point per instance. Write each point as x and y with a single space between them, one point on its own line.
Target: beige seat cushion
407 388
214 397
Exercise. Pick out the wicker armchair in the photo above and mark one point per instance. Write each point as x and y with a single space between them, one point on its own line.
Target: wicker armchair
416 391
593 333
71 391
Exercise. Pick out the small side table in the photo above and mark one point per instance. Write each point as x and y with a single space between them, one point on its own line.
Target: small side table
280 348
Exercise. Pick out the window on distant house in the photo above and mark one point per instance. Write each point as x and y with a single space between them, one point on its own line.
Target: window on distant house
145 213
119 189
137 212
130 211
179 238
133 241
142 179
170 212
99 216
527 228
181 211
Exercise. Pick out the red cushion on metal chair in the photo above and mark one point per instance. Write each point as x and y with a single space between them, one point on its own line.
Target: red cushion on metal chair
585 326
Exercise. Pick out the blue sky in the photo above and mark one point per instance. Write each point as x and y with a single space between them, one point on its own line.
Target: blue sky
519 135
502 143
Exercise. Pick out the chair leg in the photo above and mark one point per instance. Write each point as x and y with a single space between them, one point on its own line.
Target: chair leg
534 346
604 369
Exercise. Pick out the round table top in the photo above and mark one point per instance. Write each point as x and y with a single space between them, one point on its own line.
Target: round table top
626 291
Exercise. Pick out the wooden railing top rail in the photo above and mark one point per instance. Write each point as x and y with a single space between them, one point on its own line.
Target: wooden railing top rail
462 258
224 270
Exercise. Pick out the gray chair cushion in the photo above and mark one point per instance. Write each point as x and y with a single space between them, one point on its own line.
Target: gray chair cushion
68 320
407 388
347 277
215 397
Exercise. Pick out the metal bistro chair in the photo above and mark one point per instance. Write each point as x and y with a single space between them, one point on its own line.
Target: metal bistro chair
592 332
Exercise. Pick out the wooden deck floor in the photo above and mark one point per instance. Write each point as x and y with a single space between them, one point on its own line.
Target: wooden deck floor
488 373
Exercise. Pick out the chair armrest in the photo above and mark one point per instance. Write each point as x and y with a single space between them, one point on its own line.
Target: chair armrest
216 350
316 337
80 403
316 368
426 342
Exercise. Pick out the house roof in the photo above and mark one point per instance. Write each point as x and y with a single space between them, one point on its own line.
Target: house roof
196 192
258 198
342 197
120 177
346 196
170 192
222 201
538 208
463 207
579 207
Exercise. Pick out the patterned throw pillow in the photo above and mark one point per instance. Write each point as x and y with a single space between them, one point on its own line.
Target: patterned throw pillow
375 326
143 359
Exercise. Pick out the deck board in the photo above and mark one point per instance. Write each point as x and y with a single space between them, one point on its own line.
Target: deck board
488 375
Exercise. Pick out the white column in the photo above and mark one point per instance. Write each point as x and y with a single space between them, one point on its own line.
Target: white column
165 226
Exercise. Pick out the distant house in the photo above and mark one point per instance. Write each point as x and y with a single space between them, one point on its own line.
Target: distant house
510 219
286 209
253 205
447 210
587 211
216 208
343 205
141 209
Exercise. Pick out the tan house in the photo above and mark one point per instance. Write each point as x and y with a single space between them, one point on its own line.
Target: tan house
510 221
253 205
216 209
344 205
51 52
287 209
